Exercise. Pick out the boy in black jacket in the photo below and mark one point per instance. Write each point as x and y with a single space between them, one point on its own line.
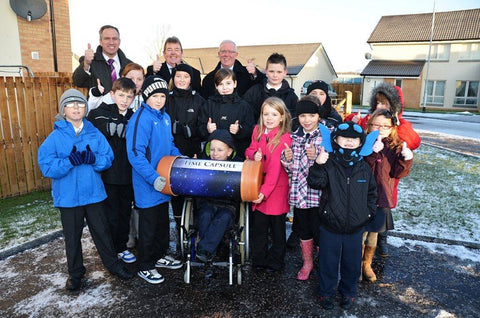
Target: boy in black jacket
349 203
111 120
273 86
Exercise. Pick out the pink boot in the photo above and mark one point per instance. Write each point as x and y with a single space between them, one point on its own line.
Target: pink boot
307 255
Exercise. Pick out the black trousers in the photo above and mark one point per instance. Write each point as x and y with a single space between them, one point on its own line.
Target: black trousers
266 227
153 236
72 223
118 207
307 223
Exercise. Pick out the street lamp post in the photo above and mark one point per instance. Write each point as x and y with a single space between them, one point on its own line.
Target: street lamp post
428 61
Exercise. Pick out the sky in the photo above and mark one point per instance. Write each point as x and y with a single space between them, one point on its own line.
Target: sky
343 27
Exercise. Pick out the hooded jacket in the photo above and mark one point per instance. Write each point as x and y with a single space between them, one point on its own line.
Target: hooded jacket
74 186
98 69
184 108
120 173
225 110
149 139
164 72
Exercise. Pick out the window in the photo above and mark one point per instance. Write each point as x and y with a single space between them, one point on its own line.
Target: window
398 82
440 52
470 51
435 92
466 93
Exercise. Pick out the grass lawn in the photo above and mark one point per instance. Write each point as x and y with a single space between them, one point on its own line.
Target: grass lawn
440 198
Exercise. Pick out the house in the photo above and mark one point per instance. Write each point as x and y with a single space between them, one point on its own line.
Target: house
305 61
35 37
400 48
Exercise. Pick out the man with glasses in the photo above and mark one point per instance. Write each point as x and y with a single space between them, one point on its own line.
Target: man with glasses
173 54
246 76
105 64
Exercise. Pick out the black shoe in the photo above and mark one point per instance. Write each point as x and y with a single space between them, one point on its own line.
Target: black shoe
123 273
293 240
204 256
382 248
326 302
347 302
73 283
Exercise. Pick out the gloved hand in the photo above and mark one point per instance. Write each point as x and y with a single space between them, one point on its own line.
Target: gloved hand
121 130
187 132
88 157
111 128
75 157
159 183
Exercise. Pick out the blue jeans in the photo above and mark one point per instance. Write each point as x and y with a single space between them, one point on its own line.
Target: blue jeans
345 249
212 221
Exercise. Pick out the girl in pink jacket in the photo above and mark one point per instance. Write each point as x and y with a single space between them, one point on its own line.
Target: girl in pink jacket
270 137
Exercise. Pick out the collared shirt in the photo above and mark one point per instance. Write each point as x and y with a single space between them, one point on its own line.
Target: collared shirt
116 63
275 88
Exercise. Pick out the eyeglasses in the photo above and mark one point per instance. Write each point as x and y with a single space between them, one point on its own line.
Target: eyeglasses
224 52
383 127
73 104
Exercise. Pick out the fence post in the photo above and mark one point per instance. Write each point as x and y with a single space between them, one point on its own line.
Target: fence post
348 104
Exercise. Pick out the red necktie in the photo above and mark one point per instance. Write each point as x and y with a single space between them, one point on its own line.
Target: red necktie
113 73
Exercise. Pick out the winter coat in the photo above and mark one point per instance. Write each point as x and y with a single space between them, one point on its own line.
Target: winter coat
225 110
301 195
258 93
275 180
348 203
245 80
74 186
184 108
164 73
388 166
120 173
149 139
99 69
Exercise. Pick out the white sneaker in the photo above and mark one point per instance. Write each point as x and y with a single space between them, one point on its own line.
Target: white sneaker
151 276
168 262
127 257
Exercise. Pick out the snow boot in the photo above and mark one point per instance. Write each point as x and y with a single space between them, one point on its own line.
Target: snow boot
367 271
382 248
307 255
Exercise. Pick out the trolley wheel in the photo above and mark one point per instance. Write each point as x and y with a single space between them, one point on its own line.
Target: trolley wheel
187 214
186 275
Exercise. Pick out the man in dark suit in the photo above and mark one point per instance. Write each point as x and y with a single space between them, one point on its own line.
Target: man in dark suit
246 76
105 64
173 54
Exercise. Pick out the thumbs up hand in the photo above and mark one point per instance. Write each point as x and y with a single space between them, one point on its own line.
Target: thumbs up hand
251 68
258 155
311 151
357 116
288 153
157 64
406 152
378 145
322 156
88 57
211 127
234 128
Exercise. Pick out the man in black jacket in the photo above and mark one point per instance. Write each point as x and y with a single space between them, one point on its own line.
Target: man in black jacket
95 65
173 54
246 76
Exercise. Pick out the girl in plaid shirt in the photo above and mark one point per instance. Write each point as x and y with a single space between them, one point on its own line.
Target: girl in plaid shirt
297 160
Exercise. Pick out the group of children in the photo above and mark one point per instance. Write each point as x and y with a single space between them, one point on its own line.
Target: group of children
336 178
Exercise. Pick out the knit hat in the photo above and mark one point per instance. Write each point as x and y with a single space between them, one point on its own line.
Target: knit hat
152 85
182 67
71 95
318 85
306 107
392 95
224 136
347 157
350 130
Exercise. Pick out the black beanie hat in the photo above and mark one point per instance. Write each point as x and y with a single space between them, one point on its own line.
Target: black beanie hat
224 136
182 67
152 85
306 107
350 130
318 85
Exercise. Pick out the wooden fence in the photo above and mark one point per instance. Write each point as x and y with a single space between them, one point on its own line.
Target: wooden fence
356 90
27 110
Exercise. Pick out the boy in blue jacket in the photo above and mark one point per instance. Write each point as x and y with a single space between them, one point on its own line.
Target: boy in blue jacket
73 156
149 139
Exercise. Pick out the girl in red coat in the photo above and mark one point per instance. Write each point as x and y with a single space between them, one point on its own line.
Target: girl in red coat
270 138
390 161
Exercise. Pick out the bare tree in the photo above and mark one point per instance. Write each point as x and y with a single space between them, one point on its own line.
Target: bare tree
155 46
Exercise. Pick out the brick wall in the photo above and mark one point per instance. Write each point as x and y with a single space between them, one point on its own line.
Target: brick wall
36 36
